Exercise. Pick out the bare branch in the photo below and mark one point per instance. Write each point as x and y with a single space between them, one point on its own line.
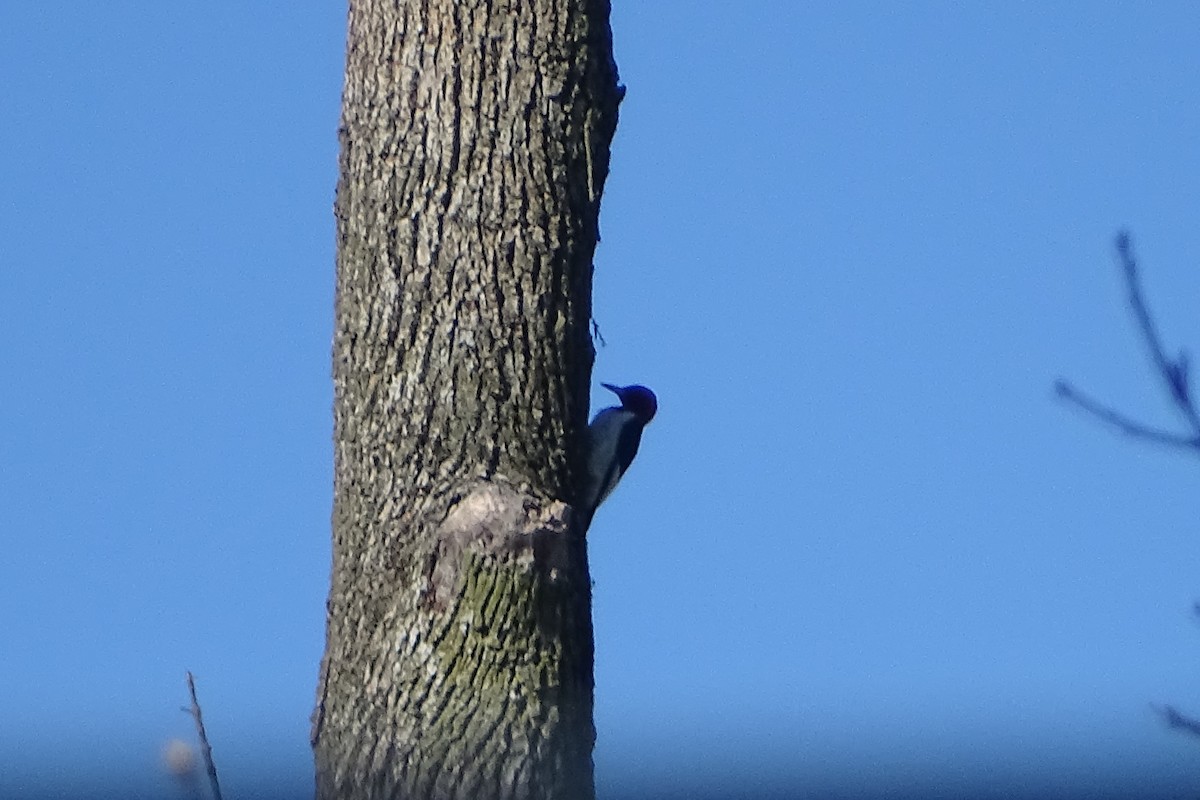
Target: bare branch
1174 373
1174 719
205 748
1124 424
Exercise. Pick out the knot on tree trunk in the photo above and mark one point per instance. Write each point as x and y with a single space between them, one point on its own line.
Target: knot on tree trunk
504 526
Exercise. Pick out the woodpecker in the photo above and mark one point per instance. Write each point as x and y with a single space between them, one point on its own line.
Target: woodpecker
613 439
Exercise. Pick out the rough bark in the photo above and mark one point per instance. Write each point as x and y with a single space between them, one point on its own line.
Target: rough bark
474 145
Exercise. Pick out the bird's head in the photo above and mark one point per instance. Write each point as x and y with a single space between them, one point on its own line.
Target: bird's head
636 399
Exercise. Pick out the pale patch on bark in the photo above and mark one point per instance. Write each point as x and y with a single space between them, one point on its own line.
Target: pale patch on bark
501 523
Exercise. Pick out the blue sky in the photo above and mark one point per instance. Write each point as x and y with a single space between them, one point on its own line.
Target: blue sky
863 549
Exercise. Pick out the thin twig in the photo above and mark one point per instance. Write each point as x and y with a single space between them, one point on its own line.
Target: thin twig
205 748
1124 424
1174 719
1174 373
596 335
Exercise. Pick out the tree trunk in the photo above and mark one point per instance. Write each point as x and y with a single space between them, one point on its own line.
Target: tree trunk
474 146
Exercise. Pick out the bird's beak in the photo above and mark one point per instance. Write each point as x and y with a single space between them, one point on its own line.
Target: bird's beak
614 389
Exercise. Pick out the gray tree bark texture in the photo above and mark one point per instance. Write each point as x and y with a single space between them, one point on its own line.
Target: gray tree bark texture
474 146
